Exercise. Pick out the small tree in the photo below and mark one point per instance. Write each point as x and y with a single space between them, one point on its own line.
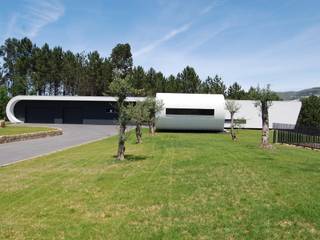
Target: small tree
139 114
153 107
264 100
232 108
121 88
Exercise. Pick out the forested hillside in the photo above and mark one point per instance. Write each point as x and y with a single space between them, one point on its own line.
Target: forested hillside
299 94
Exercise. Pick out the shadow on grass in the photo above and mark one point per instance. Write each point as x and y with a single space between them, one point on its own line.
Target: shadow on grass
189 131
133 158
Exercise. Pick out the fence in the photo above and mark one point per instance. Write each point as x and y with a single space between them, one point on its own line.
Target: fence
296 135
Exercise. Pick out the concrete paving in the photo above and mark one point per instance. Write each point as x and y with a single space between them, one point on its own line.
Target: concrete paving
72 135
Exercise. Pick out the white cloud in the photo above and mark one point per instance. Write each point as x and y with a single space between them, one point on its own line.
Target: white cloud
33 16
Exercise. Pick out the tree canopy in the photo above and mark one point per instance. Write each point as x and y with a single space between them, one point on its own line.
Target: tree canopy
28 69
310 112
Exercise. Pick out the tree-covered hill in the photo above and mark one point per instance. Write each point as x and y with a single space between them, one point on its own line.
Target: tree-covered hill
299 94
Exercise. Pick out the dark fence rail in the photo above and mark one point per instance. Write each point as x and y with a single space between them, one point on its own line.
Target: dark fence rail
296 135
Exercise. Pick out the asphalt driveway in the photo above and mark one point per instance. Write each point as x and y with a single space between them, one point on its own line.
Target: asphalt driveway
72 135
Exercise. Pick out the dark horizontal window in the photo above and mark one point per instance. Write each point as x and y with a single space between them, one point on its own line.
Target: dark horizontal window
189 111
236 121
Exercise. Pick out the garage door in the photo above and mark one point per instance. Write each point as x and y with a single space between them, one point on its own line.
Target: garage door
72 115
39 115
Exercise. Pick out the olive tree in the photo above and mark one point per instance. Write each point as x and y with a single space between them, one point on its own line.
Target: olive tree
121 89
139 114
153 106
232 107
264 100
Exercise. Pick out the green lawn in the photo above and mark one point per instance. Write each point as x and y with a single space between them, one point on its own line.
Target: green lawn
16 129
174 186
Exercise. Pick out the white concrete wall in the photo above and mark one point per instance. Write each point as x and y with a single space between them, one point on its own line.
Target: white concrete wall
279 112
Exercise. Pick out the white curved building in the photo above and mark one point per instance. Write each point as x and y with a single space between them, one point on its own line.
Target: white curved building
181 111
191 112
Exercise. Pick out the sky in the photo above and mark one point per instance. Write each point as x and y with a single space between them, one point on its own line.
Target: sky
253 42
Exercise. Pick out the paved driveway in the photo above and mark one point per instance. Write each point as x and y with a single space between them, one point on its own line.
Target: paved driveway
72 135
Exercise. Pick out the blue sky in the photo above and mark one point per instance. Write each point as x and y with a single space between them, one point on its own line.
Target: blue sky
252 42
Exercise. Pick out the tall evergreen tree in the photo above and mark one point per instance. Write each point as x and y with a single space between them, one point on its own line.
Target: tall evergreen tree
172 84
151 82
94 74
17 65
214 85
3 101
138 79
81 77
190 81
56 67
236 92
160 83
106 77
121 60
69 68
9 55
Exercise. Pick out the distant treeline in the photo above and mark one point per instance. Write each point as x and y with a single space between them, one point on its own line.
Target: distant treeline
31 70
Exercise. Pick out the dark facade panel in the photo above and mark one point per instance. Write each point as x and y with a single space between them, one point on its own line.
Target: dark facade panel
73 112
189 111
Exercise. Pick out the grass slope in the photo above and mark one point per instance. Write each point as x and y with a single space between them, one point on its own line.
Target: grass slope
15 130
174 186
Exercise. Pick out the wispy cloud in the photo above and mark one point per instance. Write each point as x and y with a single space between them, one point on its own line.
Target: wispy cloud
166 38
287 65
206 9
209 7
33 16
173 32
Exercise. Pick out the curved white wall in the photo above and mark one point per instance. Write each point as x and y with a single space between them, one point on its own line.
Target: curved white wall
191 122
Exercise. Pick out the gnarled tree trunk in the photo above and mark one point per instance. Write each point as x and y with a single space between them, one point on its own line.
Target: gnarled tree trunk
265 125
138 133
152 128
232 132
121 143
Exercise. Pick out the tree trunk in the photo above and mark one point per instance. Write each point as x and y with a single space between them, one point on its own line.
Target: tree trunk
232 132
152 128
265 125
138 133
2 123
121 144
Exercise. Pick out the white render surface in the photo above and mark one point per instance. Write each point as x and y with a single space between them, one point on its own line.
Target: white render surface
279 112
191 122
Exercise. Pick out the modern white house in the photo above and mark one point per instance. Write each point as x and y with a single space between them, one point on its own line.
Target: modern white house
180 111
191 112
